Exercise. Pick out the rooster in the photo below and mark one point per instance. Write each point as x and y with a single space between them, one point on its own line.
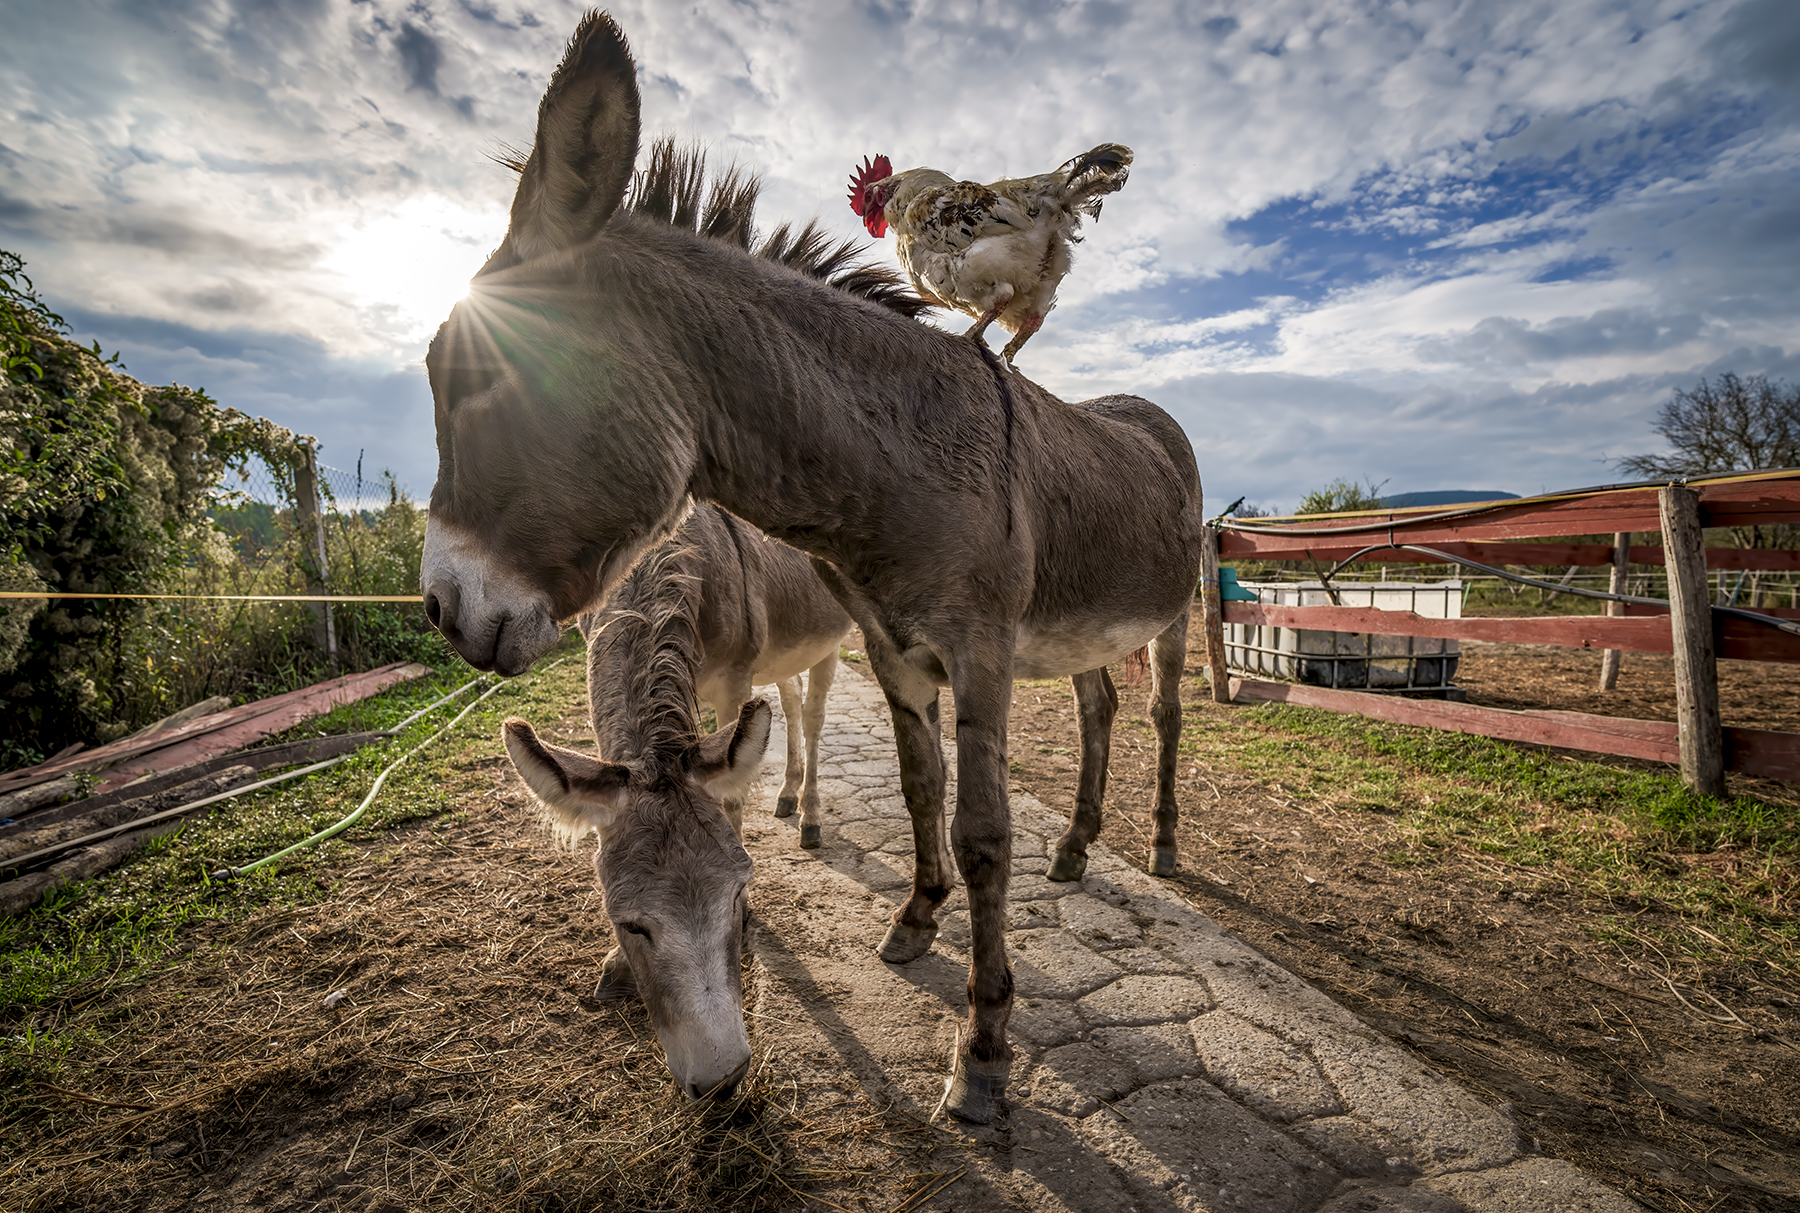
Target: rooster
995 252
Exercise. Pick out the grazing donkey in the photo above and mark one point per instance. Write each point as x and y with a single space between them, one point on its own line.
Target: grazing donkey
607 369
673 870
763 616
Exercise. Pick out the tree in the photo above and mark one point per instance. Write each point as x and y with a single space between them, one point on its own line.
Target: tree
1732 425
1341 495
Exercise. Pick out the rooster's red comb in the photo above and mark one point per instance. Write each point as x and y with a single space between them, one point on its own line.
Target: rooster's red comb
869 172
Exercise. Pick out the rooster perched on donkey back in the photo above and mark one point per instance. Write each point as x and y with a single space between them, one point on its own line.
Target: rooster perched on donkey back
997 251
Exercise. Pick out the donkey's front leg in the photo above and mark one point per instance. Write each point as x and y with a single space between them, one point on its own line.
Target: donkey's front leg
1168 657
1098 703
981 838
818 686
913 704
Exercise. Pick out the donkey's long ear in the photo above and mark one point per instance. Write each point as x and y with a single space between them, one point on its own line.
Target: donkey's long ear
726 762
587 143
579 793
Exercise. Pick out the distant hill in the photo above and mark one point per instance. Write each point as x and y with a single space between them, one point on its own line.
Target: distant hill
1443 497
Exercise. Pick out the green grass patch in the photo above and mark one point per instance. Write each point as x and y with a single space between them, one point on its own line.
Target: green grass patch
95 936
1631 837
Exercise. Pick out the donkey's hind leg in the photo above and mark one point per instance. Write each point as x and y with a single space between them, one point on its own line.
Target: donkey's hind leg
789 800
913 706
818 686
1168 657
1098 702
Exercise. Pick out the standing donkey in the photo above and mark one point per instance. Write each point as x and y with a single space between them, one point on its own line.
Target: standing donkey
609 368
763 616
715 610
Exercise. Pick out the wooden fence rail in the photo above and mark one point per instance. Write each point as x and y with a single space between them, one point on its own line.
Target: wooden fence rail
1689 629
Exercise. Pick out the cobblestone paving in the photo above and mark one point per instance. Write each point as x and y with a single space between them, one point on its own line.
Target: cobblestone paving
1161 1063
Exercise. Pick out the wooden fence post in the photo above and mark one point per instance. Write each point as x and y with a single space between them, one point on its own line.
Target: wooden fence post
1212 617
312 546
1696 655
1609 660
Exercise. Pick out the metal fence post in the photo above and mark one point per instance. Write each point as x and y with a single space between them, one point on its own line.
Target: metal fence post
1698 725
311 511
1609 660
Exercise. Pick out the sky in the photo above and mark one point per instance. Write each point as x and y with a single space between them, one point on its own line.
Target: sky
1427 245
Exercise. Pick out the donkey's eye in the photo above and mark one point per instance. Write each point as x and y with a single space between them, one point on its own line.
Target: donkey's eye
635 929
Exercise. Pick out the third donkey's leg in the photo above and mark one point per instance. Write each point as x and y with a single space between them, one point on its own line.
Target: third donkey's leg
913 704
1168 656
789 800
1099 703
818 686
738 691
982 841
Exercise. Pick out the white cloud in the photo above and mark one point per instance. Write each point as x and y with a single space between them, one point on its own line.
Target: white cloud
318 172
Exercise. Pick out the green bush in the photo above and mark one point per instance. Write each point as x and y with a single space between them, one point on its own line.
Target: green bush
110 486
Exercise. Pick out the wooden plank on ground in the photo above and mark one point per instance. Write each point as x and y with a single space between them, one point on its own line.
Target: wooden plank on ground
1739 638
262 717
1760 752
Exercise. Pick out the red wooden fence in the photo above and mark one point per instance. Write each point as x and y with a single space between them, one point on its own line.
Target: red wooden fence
1476 533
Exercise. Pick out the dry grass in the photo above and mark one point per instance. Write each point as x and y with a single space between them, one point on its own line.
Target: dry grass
467 1066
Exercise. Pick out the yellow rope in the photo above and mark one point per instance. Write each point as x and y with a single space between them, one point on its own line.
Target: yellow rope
232 597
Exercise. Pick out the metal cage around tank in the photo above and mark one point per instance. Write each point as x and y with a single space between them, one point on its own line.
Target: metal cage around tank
1362 661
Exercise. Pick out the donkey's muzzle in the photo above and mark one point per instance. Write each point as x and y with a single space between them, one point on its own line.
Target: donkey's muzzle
724 1089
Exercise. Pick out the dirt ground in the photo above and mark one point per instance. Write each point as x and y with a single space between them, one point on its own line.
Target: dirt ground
1487 973
468 1066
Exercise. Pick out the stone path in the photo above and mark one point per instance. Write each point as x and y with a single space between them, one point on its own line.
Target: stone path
1161 1063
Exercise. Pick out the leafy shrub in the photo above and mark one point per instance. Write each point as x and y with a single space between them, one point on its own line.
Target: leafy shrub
107 486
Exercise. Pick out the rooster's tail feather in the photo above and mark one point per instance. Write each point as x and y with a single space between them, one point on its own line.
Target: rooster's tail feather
1094 174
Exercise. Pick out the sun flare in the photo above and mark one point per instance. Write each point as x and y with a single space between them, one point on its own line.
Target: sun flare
409 265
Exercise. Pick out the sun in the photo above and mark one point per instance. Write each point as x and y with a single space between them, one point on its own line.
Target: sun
406 266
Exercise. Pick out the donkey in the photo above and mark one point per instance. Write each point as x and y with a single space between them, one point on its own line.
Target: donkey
607 369
674 873
712 612
763 616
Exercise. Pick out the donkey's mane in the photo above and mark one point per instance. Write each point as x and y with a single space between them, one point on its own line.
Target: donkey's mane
655 614
673 188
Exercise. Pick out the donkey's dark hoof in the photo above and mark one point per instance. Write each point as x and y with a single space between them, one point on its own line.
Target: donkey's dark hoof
904 943
977 1090
1067 866
787 806
1162 861
809 838
616 981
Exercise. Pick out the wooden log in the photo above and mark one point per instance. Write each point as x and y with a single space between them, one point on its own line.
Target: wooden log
1621 557
1212 617
1634 633
1759 752
38 835
1234 545
125 760
1733 501
1696 656
265 758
